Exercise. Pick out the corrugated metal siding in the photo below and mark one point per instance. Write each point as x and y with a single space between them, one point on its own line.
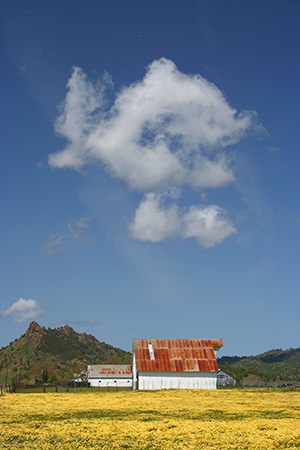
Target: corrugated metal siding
177 355
172 380
109 371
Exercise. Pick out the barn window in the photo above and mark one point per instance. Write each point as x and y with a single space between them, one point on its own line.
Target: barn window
151 351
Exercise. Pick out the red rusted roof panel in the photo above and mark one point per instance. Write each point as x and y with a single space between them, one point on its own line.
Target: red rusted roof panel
176 355
178 365
167 365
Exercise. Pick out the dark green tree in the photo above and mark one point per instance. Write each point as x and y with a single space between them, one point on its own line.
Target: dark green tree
45 376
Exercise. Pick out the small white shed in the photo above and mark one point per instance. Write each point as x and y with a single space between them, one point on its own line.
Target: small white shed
223 379
110 375
175 363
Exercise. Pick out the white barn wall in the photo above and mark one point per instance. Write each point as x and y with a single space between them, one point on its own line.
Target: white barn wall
134 373
176 380
110 382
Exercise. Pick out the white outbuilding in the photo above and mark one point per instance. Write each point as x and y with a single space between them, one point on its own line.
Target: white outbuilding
223 379
175 363
110 375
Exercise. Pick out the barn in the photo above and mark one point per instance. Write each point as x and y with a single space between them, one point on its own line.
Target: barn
175 363
110 375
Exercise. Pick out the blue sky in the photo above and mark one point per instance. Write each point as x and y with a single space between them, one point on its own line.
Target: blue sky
149 170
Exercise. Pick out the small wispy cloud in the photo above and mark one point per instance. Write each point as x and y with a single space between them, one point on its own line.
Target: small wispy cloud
75 322
249 187
22 310
274 150
75 234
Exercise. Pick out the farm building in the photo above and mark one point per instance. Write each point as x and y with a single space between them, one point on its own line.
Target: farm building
175 364
223 379
110 375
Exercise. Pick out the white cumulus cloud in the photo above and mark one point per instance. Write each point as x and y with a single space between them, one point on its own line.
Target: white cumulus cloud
207 224
155 221
167 130
22 310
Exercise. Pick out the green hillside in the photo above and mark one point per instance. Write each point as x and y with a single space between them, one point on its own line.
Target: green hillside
55 355
58 354
272 365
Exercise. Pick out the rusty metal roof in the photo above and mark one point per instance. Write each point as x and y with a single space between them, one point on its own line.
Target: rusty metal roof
109 371
176 355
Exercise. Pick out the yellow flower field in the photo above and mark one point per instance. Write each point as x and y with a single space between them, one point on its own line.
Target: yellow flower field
222 419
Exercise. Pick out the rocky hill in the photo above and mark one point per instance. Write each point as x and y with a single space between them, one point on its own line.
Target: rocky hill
58 354
55 355
272 365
